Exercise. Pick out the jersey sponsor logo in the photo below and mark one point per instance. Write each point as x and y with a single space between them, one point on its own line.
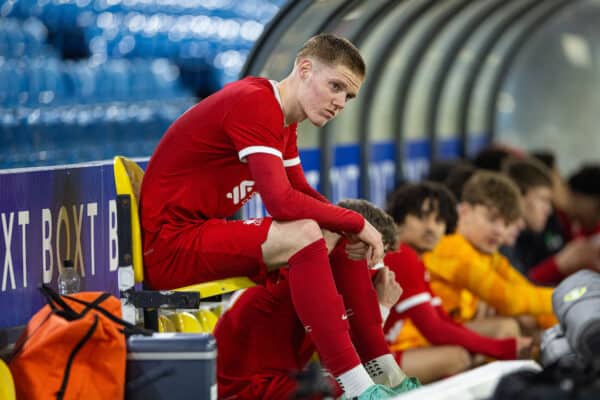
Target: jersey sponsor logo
239 192
254 221
575 294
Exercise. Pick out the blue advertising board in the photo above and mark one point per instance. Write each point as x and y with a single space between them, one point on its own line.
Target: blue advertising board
345 172
382 172
49 215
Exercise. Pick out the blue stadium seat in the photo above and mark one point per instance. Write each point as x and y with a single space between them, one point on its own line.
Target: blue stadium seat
147 60
9 125
23 38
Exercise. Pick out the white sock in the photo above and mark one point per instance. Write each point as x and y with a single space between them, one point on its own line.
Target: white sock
384 370
355 381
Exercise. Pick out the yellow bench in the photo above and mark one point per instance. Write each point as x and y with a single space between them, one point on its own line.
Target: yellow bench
128 178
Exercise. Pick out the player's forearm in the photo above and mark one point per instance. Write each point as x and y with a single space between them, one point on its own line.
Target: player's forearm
515 300
442 332
285 203
299 182
290 205
546 272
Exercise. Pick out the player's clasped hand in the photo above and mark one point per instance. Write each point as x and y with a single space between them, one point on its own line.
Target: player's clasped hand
525 347
356 250
368 245
388 289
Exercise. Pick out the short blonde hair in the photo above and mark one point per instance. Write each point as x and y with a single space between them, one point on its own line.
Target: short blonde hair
334 50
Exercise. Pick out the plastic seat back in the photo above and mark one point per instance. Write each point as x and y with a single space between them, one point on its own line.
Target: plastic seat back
128 180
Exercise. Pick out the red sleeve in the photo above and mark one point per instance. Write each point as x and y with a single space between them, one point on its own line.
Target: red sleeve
410 274
546 272
255 124
565 222
440 332
409 271
294 170
298 181
285 203
415 303
291 156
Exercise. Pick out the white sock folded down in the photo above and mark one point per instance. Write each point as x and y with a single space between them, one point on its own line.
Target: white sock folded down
355 381
384 370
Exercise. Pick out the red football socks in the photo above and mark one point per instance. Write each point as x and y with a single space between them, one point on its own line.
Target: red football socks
354 284
320 307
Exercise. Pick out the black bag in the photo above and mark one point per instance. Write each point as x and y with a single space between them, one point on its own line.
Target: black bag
568 379
576 303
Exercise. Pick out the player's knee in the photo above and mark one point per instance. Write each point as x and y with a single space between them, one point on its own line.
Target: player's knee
306 231
464 359
461 360
287 238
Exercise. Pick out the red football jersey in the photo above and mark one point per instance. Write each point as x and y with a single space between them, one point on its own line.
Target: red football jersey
423 309
414 280
198 170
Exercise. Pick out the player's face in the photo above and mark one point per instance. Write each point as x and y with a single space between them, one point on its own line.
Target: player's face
482 226
325 90
511 232
537 206
422 233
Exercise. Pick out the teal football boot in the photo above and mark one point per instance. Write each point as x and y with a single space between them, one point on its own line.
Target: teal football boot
375 392
409 383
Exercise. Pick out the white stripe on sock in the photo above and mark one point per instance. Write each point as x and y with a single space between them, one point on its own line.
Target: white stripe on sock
355 381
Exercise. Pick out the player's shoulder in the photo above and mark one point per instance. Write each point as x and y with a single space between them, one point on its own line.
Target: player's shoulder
253 97
404 258
251 85
403 253
456 246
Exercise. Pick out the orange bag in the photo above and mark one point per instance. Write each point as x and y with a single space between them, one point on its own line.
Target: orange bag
73 348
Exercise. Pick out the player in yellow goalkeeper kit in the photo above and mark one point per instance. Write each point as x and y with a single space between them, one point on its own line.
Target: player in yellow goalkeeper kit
467 266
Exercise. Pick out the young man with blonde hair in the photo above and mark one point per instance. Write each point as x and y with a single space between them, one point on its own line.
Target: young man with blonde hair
240 141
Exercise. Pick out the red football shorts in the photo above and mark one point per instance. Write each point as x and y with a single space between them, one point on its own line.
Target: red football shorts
196 253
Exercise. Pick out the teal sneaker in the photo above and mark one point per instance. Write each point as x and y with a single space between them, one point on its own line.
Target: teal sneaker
375 392
407 384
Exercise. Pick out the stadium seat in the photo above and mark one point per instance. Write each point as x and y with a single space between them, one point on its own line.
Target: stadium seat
128 178
7 385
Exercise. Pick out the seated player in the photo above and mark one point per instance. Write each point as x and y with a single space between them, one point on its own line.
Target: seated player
575 243
469 262
262 342
426 342
240 141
